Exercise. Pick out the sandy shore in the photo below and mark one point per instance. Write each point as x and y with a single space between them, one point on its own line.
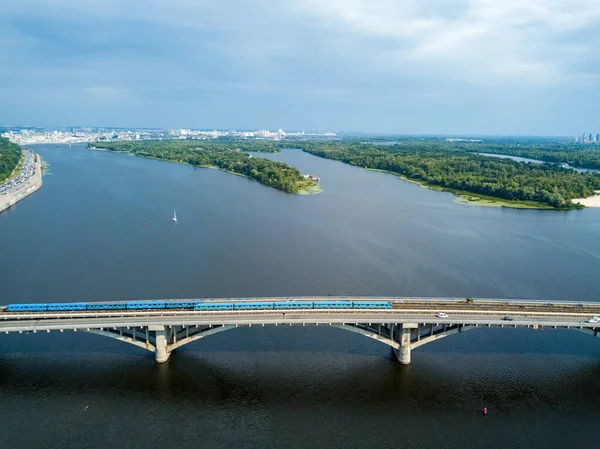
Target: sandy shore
590 201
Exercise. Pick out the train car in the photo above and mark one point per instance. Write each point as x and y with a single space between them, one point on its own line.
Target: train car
253 305
141 305
67 306
332 304
371 305
287 305
181 303
26 307
106 305
208 306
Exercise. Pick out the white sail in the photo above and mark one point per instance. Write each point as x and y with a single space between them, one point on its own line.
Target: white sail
174 216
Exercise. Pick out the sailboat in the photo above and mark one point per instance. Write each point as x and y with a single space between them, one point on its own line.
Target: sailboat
174 216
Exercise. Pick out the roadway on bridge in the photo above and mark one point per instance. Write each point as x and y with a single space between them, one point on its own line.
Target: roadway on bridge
289 318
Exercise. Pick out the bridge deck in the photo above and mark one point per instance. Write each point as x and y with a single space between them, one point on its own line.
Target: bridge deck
410 323
245 318
399 304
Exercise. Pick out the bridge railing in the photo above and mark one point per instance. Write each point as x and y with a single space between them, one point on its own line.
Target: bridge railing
442 302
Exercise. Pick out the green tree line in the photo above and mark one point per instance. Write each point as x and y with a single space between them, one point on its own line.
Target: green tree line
225 156
574 154
258 146
10 155
436 162
458 169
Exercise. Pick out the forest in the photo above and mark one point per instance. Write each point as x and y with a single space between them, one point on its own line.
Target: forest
10 154
458 169
257 146
454 166
574 154
225 156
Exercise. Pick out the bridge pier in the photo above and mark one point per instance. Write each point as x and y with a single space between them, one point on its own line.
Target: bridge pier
403 352
161 340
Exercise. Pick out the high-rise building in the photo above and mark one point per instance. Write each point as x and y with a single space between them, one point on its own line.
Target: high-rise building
598 137
590 138
583 138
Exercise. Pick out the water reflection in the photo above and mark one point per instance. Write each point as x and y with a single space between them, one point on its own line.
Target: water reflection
81 237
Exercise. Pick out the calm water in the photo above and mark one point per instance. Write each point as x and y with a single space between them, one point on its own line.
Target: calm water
81 237
535 161
514 158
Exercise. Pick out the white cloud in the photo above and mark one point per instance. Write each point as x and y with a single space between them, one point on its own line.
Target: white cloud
348 62
483 41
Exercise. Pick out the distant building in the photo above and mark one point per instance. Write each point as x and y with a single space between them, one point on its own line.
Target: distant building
587 138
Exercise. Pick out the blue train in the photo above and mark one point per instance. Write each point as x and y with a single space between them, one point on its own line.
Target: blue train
199 305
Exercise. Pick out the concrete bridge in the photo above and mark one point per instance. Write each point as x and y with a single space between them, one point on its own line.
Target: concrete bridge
410 323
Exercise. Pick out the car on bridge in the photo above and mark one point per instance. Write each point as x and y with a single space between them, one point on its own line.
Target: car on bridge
507 318
441 315
594 319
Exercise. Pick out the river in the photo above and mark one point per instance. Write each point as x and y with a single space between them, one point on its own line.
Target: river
536 161
82 237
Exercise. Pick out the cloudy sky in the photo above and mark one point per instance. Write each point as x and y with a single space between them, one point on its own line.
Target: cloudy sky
388 66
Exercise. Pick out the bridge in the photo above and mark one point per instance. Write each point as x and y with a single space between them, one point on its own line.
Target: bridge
409 324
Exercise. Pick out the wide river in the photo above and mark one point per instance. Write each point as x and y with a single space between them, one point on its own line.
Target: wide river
82 237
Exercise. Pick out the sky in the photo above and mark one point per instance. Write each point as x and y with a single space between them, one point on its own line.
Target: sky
501 67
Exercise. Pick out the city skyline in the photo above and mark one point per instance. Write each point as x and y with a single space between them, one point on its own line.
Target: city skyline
445 68
28 134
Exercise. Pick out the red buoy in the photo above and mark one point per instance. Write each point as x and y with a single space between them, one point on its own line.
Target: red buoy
484 411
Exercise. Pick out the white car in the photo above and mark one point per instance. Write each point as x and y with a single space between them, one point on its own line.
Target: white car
441 315
594 319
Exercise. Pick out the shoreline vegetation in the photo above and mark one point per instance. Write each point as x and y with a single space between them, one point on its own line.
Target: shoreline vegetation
573 154
11 159
230 157
476 179
469 198
450 165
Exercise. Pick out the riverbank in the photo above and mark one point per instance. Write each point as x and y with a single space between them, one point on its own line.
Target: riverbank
310 190
301 190
590 201
471 199
16 194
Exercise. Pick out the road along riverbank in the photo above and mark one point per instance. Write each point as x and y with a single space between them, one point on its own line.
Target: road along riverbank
15 194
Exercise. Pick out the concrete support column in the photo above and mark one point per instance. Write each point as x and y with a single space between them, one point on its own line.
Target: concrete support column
161 340
403 353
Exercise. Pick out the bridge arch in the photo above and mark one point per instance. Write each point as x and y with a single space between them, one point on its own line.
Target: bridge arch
162 340
369 332
404 337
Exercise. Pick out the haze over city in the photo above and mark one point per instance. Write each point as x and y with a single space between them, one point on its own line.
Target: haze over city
471 67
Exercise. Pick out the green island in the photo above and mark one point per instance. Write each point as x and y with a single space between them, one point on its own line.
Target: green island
10 158
453 166
477 179
229 156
